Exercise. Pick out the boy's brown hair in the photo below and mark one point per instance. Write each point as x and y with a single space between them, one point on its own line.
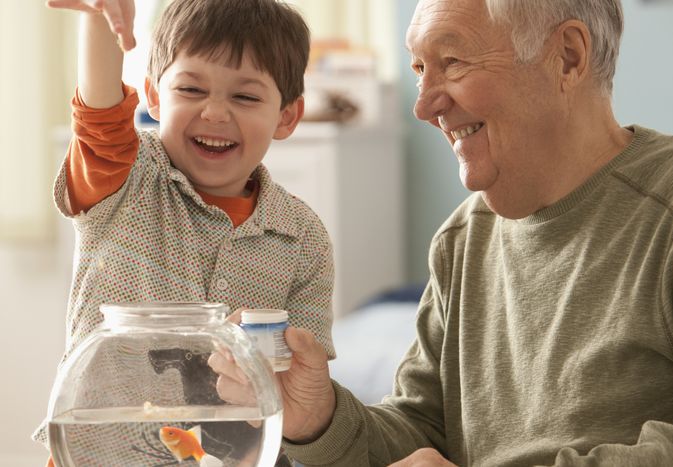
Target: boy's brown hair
273 33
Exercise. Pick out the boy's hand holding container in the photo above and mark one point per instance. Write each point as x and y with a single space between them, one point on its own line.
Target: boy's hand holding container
266 328
306 388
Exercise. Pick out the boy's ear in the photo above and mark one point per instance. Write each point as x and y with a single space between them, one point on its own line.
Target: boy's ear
152 99
289 118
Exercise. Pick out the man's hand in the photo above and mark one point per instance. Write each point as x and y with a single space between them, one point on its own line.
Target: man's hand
425 457
308 396
118 13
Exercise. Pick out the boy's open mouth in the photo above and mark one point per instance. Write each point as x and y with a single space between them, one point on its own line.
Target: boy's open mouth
214 145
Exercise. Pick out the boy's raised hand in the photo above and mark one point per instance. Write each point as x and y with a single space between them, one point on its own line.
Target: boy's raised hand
118 13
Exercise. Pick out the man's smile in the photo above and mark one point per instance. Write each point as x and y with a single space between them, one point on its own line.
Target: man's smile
465 131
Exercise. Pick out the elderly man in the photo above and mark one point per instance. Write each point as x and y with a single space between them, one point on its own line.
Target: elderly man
545 334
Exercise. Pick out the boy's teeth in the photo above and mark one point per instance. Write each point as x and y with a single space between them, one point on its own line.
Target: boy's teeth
213 142
460 134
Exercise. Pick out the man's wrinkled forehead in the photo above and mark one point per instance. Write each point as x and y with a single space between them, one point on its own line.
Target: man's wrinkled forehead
428 10
436 20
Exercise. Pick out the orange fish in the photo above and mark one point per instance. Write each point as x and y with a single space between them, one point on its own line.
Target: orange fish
185 444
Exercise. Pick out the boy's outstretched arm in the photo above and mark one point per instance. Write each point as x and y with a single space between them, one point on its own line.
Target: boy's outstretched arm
106 27
105 144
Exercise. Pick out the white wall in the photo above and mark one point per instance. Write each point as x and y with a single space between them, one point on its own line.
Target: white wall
35 279
37 75
34 288
364 23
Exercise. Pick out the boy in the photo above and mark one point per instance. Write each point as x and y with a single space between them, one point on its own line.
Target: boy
188 213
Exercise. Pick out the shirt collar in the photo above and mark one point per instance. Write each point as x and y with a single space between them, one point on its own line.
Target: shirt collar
275 210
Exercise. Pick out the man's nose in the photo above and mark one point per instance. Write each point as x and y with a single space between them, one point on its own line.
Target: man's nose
216 111
432 101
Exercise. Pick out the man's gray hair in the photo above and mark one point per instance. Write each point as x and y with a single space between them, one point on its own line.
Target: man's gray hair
533 21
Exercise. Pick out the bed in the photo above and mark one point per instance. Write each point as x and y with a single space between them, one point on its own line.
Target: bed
371 341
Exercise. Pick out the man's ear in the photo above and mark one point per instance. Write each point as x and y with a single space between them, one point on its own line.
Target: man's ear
574 52
289 118
152 99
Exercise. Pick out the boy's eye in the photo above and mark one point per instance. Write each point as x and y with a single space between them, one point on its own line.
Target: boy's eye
247 97
190 90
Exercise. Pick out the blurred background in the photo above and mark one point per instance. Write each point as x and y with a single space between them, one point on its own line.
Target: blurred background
381 181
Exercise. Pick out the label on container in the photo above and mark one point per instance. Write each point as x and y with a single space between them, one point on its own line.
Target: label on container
269 338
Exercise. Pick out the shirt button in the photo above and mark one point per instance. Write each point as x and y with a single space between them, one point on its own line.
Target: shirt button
221 284
100 264
228 244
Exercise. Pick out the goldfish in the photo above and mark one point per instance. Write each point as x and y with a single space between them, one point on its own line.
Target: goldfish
184 444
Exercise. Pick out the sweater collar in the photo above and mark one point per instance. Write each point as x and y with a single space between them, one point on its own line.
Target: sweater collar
580 193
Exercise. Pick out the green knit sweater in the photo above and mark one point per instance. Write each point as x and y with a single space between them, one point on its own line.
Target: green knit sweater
546 340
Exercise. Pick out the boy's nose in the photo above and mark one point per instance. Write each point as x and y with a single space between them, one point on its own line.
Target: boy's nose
216 112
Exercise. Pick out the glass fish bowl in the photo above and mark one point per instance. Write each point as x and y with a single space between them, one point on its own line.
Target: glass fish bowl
139 392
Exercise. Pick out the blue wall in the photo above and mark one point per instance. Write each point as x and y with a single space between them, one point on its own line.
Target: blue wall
643 91
433 187
643 94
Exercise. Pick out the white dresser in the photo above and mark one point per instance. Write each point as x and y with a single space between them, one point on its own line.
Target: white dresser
352 178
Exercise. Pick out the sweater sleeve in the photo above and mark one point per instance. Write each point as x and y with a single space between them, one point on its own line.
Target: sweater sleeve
653 449
410 419
102 151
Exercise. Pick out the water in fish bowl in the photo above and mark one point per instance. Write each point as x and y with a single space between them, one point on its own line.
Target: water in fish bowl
210 436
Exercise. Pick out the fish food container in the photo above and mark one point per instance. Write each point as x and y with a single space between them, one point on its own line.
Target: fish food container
139 392
266 327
